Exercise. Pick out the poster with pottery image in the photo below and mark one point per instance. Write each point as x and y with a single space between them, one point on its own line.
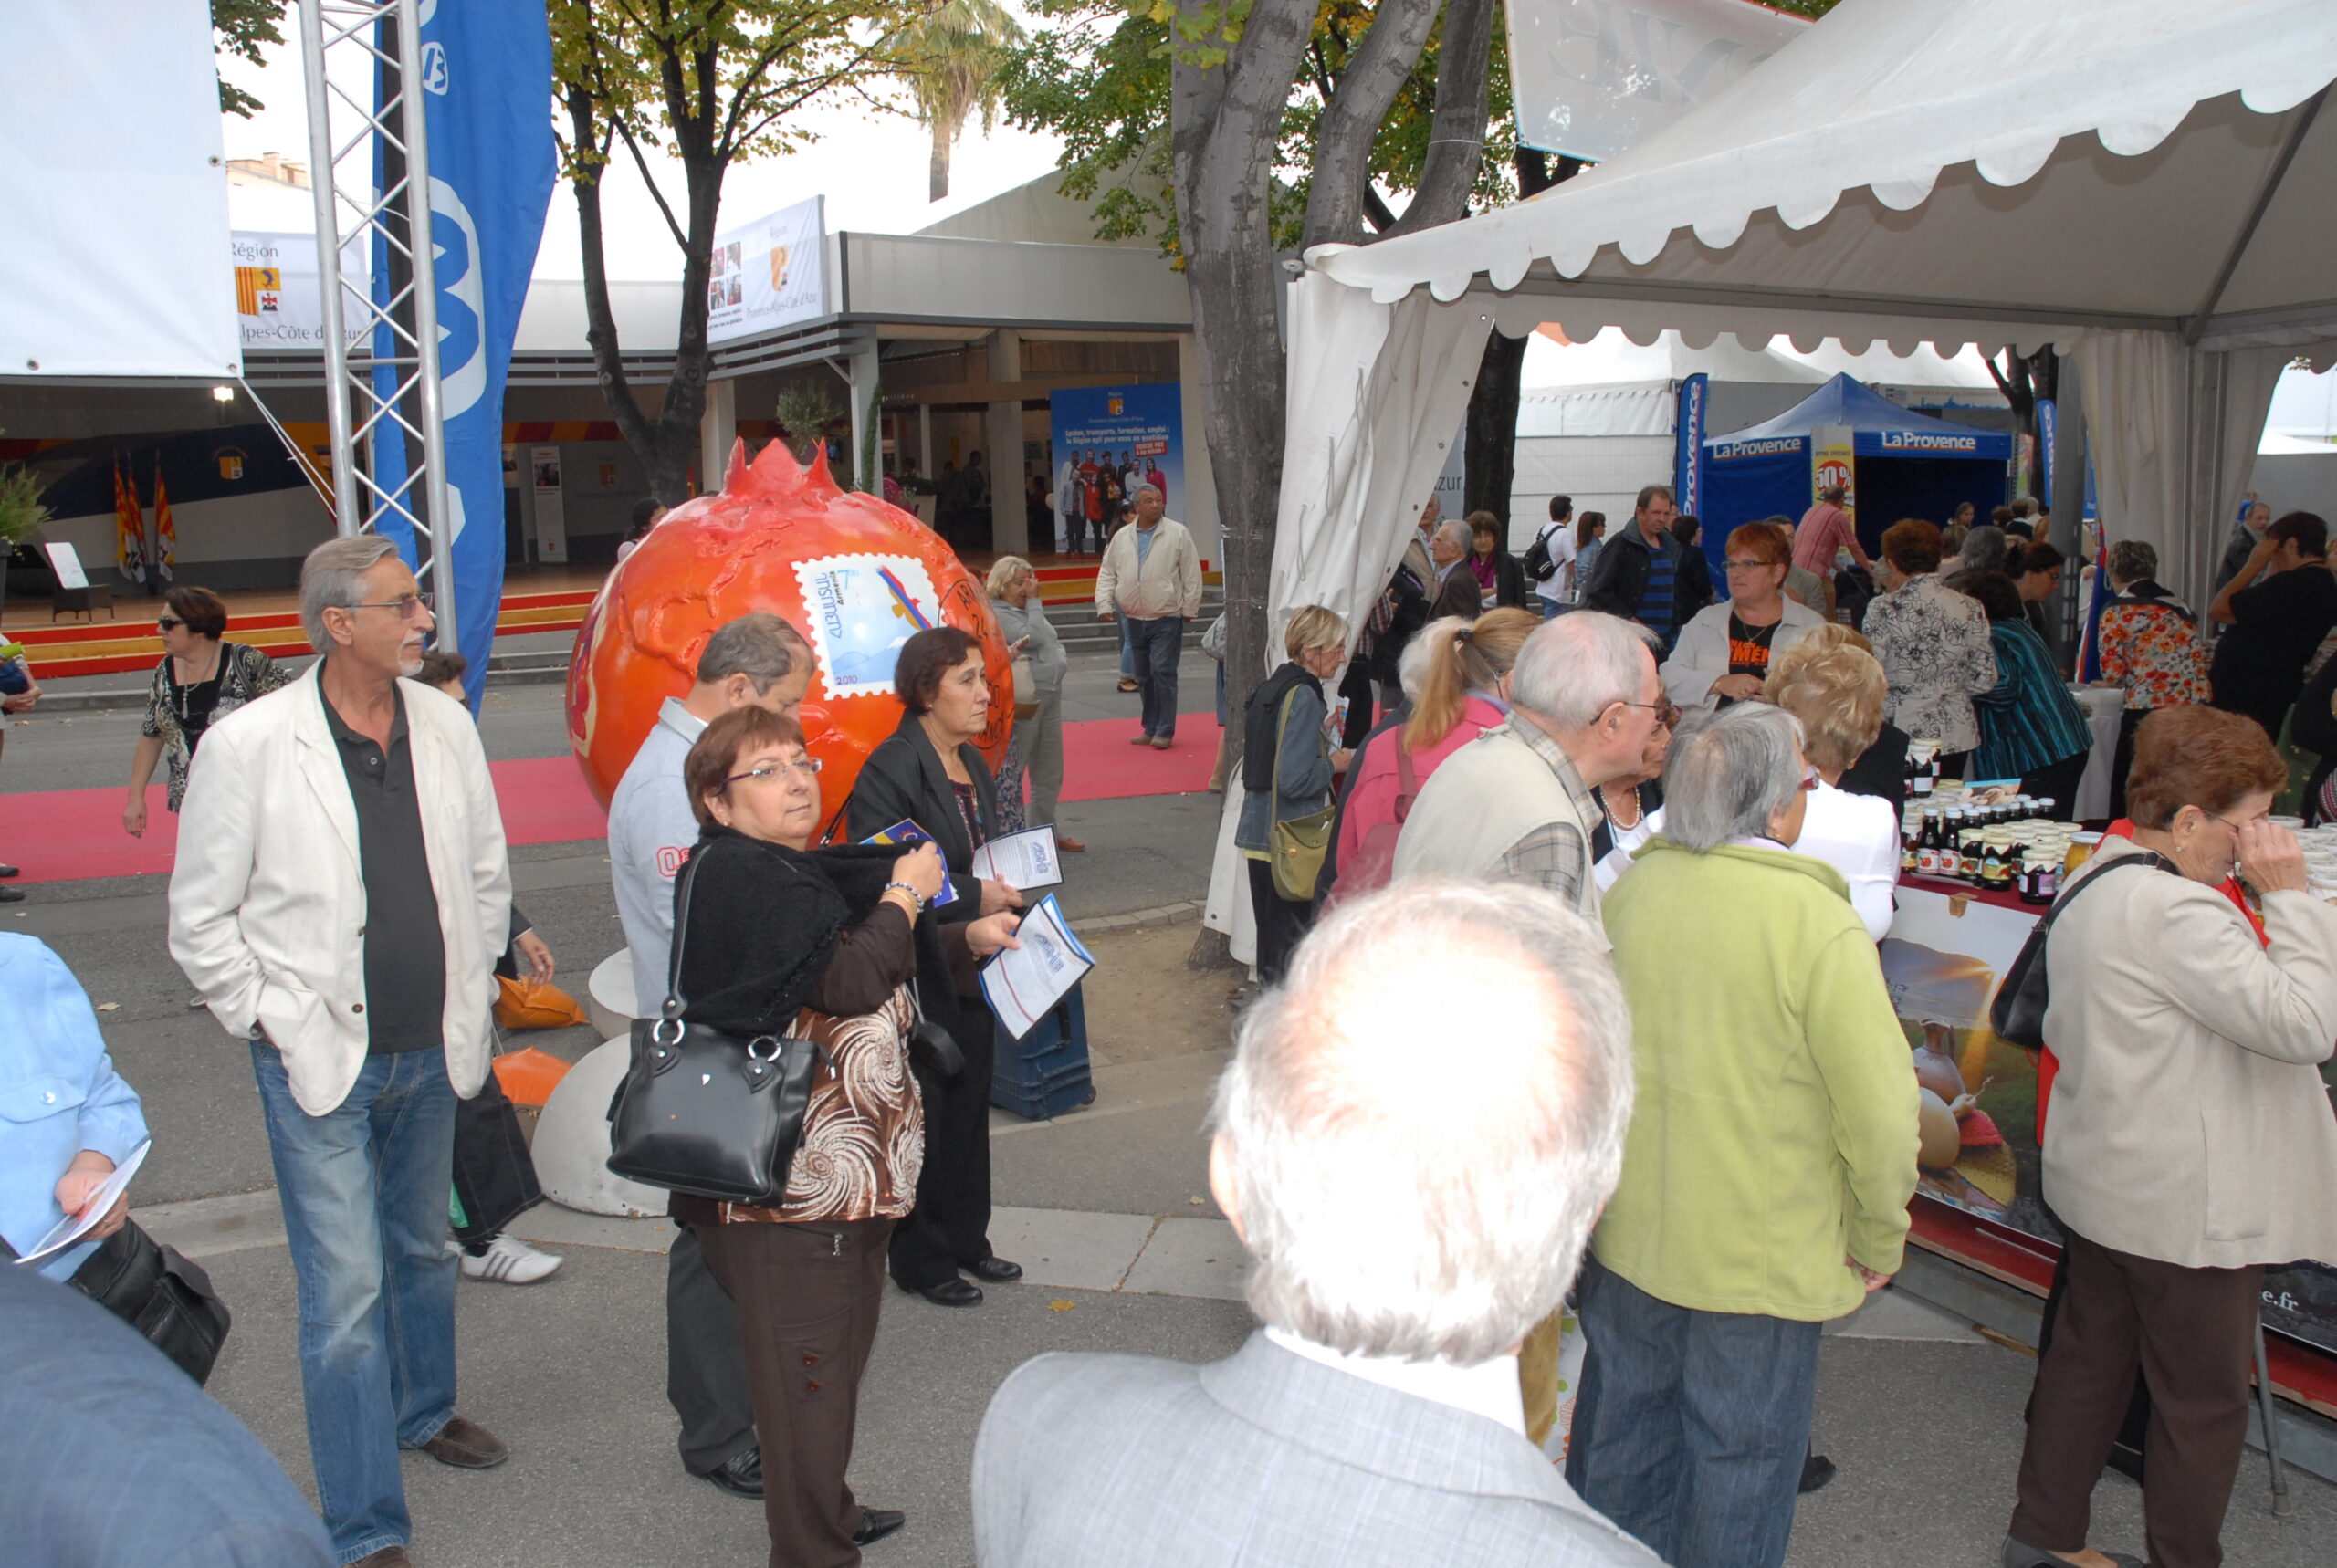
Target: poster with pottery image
1978 1093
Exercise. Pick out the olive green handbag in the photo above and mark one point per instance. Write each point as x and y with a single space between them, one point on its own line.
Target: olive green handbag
1297 846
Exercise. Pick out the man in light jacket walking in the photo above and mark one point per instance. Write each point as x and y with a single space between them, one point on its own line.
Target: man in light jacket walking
340 898
1152 575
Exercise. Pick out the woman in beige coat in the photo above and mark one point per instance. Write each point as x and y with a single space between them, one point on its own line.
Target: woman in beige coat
2189 1141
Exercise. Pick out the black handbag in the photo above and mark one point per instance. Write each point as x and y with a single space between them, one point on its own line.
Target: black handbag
161 1294
705 1113
2017 1013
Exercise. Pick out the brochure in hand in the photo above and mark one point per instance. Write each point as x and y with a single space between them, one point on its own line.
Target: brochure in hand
1021 984
1023 861
907 835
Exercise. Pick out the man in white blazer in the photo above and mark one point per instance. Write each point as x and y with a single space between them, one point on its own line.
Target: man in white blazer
341 896
1406 1226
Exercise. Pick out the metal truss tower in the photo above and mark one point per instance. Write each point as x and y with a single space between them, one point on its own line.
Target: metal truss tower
354 209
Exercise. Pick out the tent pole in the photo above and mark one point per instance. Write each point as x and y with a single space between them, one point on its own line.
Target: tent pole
2198 324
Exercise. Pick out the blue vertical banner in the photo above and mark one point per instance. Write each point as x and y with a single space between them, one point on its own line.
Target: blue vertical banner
2048 422
486 93
1688 428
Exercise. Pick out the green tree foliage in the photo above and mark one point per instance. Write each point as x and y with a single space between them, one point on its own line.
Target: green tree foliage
951 57
244 29
712 83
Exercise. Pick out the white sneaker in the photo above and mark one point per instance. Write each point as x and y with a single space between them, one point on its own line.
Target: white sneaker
508 1260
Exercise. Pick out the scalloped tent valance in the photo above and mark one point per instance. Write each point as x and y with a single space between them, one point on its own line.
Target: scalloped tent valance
2089 163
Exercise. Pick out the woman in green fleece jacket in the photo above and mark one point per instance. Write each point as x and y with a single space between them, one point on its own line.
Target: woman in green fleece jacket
1769 1163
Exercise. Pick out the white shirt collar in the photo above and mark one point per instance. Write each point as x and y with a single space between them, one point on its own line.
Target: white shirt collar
1488 1389
676 717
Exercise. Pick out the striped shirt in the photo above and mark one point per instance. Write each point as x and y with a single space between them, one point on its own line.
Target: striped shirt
1655 600
2028 721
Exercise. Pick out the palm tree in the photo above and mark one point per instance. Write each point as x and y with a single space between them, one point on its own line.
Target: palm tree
951 58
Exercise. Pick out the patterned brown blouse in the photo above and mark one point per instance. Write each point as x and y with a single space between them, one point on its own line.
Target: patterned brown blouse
864 1135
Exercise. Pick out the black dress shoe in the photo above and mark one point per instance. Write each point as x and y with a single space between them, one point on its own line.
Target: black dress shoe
951 1292
1817 1472
7 871
740 1475
12 895
995 1272
875 1523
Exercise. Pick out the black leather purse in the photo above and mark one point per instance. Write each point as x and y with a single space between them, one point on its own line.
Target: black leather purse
2017 1013
705 1113
161 1294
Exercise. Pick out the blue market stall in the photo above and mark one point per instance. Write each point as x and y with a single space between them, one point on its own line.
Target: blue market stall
1897 464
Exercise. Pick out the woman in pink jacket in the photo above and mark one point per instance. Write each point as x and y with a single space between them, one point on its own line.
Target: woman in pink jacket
1461 690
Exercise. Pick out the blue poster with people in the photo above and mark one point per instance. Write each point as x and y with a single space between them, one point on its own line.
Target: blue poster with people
486 77
1108 442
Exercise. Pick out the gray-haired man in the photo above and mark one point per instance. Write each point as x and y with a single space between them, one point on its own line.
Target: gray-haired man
1403 1237
758 660
340 898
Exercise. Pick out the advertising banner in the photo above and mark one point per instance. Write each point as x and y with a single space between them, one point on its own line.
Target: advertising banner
1591 77
769 273
1833 461
280 304
1688 456
1942 962
486 74
1118 438
110 176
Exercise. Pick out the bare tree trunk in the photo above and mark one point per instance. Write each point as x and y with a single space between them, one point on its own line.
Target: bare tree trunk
1457 131
937 180
1340 191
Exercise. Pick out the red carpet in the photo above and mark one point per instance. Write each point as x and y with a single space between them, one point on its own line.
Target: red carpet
64 835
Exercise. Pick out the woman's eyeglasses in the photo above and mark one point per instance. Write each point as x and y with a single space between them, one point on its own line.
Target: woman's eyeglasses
809 766
168 622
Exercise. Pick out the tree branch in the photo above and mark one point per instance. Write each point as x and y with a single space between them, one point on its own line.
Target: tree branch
1352 115
673 225
1456 133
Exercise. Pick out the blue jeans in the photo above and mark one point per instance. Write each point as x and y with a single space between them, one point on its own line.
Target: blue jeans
1157 645
364 1193
1691 1427
1127 651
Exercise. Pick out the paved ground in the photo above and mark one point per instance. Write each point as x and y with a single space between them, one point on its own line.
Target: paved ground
1108 1208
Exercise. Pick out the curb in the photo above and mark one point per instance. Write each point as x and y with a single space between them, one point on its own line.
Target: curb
1159 915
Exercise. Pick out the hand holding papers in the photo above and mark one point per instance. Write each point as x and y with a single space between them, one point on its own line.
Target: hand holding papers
905 833
1022 861
100 1202
1024 982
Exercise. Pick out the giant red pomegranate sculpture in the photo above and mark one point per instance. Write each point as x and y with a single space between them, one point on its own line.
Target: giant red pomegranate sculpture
854 575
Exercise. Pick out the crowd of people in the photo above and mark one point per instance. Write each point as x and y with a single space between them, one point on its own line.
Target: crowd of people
1694 1166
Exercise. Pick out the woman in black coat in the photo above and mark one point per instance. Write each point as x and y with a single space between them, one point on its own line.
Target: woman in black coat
928 772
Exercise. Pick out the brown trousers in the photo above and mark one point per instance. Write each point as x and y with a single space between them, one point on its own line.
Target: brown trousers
2192 1333
807 1297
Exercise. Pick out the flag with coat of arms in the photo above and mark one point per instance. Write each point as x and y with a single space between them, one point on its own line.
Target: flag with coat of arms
166 532
129 527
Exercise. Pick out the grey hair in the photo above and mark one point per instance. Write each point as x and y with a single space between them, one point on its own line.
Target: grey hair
1575 668
1155 489
1458 529
1984 549
329 580
1384 1220
761 646
1728 773
1411 664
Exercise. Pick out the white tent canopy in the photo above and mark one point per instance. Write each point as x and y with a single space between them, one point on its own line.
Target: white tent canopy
2143 183
1613 386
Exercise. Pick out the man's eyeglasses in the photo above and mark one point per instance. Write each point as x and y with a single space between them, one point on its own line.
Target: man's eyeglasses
1666 713
407 606
808 765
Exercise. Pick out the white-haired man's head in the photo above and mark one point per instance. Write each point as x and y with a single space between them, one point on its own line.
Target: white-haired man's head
1406 1188
1592 681
1450 542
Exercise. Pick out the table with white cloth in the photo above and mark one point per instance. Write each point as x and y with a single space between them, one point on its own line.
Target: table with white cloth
2103 707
